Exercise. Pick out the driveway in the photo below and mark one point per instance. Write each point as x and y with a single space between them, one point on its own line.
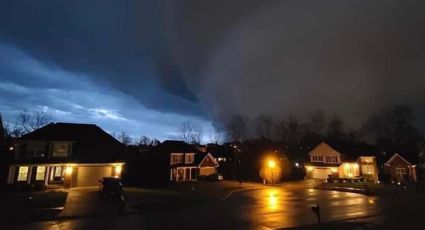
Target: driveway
83 202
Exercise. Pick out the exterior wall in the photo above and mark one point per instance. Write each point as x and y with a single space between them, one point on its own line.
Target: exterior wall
180 174
349 170
369 161
398 162
324 151
74 175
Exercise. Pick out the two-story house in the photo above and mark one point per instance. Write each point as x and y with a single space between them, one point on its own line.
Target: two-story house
186 163
325 161
66 154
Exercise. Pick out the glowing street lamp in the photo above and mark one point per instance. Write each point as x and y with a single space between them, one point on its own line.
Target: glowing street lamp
272 164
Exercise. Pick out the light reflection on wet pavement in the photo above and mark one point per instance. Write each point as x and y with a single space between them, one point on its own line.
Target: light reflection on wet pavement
273 207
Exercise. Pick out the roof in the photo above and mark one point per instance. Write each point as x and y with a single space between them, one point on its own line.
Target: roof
173 146
348 151
322 147
91 144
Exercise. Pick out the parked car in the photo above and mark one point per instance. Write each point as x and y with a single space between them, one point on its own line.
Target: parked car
110 186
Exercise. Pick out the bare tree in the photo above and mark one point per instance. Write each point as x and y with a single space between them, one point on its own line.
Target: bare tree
263 126
216 137
2 130
318 122
336 128
190 132
124 138
237 128
145 141
26 122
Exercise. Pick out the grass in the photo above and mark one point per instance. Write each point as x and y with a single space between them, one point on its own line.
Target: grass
374 187
47 199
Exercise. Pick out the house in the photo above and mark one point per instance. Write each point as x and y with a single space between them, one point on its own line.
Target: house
185 162
326 161
401 167
66 154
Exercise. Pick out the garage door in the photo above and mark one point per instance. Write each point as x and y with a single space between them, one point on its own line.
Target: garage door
321 173
205 171
90 175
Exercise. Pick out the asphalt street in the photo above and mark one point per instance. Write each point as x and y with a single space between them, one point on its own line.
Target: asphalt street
282 206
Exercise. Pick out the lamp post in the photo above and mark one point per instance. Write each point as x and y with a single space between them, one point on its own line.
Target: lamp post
271 164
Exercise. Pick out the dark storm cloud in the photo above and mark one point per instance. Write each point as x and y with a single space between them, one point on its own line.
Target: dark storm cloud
27 84
118 42
227 57
292 57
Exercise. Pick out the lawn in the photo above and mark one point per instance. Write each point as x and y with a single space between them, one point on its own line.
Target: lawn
378 188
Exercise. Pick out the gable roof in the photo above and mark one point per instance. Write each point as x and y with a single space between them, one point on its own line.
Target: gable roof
90 143
68 132
323 147
394 156
202 158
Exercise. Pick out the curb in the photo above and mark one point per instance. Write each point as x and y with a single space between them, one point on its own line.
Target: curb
240 190
346 189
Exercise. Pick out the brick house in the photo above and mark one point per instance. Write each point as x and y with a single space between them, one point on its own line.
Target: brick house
401 168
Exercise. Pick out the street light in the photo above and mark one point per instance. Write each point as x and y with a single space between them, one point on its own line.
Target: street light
272 165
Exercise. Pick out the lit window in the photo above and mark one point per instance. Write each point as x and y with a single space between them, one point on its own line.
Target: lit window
176 158
22 173
41 172
60 150
58 171
189 158
368 169
366 159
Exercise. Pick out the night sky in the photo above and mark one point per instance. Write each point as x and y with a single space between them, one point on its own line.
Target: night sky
146 66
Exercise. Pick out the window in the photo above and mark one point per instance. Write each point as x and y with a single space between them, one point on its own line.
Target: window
58 171
331 159
36 149
60 150
368 169
41 172
22 173
189 158
366 159
176 158
400 171
317 158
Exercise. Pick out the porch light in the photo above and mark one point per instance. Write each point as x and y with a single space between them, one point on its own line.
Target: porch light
118 169
309 168
68 170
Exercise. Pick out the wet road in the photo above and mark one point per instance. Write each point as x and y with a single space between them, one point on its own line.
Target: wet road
270 208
